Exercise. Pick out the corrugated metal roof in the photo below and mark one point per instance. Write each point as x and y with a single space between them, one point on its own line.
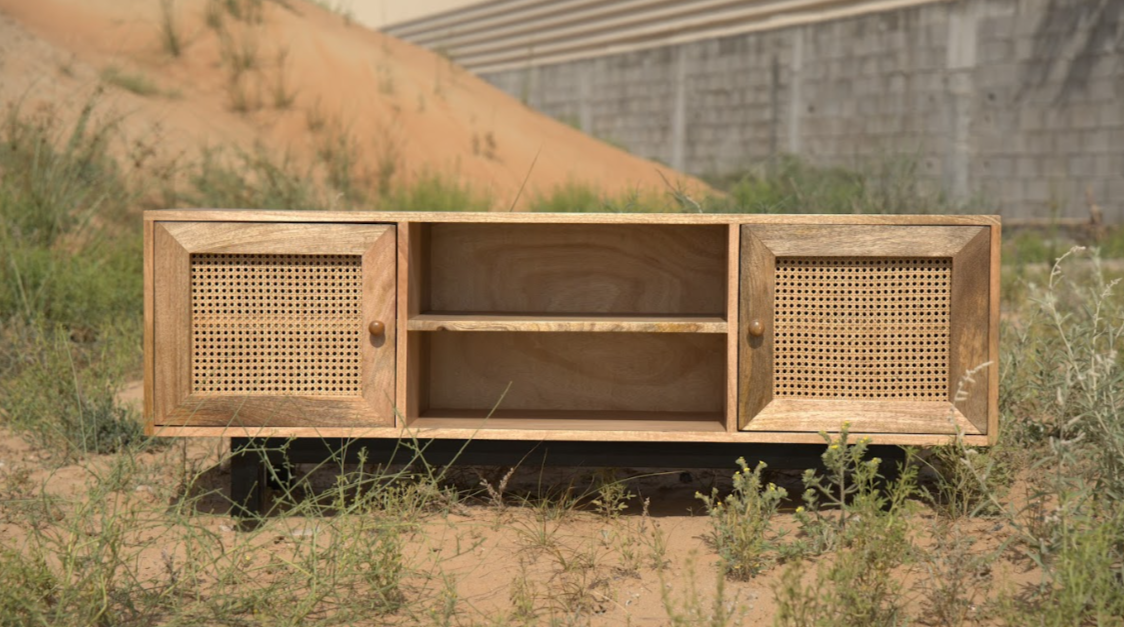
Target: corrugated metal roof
504 34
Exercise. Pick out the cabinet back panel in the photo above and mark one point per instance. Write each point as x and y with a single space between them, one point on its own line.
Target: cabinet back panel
578 268
664 372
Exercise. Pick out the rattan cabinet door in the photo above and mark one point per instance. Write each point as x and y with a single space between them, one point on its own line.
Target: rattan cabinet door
270 324
879 326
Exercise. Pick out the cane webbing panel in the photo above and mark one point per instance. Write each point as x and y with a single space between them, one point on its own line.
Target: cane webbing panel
862 328
276 324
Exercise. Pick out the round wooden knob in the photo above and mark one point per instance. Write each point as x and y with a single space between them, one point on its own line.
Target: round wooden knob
376 328
756 329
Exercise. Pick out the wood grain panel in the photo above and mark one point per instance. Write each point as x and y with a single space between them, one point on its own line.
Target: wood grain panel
577 371
572 323
380 304
275 238
175 400
545 435
758 270
570 420
969 297
932 417
171 324
149 323
274 411
402 293
356 217
865 241
993 337
532 268
733 330
416 290
969 332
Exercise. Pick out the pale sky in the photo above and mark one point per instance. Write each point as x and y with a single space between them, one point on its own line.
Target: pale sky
378 13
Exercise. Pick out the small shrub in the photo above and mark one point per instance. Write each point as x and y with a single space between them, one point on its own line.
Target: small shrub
169 29
250 179
869 533
969 479
848 487
742 522
959 576
64 397
283 95
612 495
137 83
890 184
433 192
572 198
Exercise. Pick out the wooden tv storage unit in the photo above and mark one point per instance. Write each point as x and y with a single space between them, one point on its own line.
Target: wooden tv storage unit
570 327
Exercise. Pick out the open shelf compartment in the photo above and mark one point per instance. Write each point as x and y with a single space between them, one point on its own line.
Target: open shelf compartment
571 381
651 278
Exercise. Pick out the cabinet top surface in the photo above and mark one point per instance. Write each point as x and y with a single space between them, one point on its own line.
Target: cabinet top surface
255 215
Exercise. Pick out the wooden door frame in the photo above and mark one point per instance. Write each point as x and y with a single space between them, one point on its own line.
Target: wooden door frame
176 404
969 248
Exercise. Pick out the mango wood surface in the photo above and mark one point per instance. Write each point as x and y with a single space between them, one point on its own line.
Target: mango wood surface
254 215
864 241
733 330
415 237
864 416
149 326
178 404
540 420
567 323
647 372
691 287
993 337
171 323
969 249
968 342
402 354
755 379
635 270
903 439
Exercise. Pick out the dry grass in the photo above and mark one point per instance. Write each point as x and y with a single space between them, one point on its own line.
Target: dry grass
99 525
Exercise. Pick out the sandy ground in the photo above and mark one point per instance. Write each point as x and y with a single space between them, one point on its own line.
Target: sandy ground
567 564
405 109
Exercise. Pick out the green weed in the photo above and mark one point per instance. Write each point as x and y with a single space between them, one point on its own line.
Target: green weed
890 184
869 532
742 522
169 28
137 83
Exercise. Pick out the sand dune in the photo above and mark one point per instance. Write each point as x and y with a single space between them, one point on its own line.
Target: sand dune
296 79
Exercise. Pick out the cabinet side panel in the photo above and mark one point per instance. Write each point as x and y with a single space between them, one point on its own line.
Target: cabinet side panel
403 311
171 323
733 303
149 375
414 283
993 337
755 373
968 336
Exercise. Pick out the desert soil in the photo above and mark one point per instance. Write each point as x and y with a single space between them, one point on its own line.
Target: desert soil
403 108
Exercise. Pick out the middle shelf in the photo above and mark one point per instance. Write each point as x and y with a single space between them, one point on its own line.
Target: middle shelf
574 323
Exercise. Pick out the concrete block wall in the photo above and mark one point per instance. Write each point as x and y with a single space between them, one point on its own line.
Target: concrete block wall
1020 102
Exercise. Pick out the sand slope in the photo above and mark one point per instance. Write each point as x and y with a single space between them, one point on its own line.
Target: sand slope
406 111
